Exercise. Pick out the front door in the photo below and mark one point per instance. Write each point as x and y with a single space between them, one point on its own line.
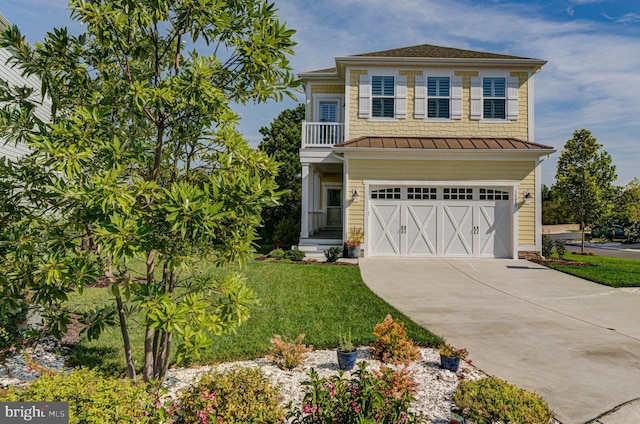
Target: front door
334 207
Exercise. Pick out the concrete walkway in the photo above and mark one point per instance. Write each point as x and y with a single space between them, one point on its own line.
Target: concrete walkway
575 343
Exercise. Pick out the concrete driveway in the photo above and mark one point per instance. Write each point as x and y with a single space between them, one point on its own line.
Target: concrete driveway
575 343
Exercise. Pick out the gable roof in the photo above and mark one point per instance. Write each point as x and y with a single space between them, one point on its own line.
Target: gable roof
443 143
425 54
431 51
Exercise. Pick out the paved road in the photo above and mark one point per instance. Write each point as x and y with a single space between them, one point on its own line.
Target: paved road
617 250
574 342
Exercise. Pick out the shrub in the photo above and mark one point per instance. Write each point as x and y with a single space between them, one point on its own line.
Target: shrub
294 255
494 400
547 245
633 232
237 396
286 353
380 396
92 397
392 344
276 253
287 232
333 253
561 248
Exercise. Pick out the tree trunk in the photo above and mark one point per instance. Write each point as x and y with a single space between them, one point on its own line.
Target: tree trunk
131 369
147 368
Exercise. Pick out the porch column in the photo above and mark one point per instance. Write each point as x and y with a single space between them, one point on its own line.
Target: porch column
304 219
316 202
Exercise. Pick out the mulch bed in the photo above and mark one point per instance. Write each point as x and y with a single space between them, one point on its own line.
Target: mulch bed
558 261
266 258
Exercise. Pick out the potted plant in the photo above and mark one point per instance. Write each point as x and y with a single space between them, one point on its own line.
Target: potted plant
356 237
450 357
346 352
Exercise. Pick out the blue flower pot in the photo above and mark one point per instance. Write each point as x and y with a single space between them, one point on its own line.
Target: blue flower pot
346 360
449 363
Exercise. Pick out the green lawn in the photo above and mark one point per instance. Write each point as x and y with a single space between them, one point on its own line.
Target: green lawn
614 272
320 301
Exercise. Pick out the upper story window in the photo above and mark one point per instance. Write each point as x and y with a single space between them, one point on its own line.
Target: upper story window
438 96
328 111
494 98
382 96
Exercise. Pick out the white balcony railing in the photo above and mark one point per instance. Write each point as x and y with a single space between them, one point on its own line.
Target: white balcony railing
322 134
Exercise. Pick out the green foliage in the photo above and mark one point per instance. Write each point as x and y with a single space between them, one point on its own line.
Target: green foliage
141 163
345 343
92 398
584 178
553 210
625 208
237 396
294 255
282 142
276 254
333 253
287 232
561 248
392 344
286 353
452 352
495 400
547 245
633 232
382 397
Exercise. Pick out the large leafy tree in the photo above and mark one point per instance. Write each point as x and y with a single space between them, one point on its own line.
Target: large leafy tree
626 206
140 175
282 141
584 178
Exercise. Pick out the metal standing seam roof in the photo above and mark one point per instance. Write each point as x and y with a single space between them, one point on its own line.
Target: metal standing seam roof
443 143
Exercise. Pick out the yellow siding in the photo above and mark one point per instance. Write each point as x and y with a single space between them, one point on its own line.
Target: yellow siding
522 172
464 127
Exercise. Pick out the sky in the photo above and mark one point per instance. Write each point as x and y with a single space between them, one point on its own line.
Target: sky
591 80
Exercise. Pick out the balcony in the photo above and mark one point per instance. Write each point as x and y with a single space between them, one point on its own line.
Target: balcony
322 134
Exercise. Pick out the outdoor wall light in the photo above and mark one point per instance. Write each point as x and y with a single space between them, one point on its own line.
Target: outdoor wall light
527 197
355 195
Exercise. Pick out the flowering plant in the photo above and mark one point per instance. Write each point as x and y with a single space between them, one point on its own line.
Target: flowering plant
381 396
452 352
356 237
286 353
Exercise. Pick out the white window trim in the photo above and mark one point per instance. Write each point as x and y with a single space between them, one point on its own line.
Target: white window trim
511 98
365 95
328 97
421 94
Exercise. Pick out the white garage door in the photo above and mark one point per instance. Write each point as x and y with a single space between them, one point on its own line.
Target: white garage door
440 221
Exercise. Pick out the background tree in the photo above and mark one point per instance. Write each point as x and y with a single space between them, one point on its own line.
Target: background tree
141 175
554 212
282 141
584 178
626 205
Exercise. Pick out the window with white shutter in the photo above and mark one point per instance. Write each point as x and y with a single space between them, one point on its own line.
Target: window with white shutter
494 98
382 96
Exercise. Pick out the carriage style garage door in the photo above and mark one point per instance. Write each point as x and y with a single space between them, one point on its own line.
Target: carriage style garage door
440 221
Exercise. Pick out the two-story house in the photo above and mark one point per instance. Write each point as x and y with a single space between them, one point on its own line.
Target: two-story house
430 150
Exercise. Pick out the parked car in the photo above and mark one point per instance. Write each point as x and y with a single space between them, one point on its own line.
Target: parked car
612 231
